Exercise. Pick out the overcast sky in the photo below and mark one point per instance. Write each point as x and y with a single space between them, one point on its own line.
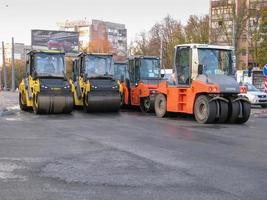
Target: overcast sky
18 17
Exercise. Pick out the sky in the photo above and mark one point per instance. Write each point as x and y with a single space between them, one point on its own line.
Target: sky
18 17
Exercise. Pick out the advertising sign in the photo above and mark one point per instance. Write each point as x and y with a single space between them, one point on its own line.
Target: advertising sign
55 40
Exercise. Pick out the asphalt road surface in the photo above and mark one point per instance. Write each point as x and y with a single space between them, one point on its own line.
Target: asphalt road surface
128 156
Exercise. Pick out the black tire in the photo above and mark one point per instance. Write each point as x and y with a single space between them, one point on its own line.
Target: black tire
264 106
204 111
223 111
85 103
122 101
22 104
246 108
234 110
146 105
35 105
160 105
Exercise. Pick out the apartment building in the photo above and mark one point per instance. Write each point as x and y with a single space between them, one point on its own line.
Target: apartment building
233 22
91 30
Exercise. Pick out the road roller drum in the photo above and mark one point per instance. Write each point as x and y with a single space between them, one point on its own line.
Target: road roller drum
53 103
103 101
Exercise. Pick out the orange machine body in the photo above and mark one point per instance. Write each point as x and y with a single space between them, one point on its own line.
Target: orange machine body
182 99
137 87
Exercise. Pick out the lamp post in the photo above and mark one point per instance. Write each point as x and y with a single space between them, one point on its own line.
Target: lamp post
13 67
4 66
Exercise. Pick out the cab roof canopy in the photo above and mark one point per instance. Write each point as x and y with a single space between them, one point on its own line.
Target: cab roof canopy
94 54
140 57
46 52
206 46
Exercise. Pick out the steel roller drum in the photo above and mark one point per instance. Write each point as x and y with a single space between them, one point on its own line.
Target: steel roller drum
103 101
51 103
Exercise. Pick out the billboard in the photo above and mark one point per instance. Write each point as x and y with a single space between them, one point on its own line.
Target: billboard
55 40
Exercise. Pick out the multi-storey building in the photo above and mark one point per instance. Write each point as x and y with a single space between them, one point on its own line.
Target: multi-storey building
20 51
234 22
117 36
81 26
89 31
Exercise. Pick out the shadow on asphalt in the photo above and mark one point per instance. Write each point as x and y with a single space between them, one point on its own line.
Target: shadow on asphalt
257 112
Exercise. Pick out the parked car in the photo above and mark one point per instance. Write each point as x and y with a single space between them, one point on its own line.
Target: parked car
255 96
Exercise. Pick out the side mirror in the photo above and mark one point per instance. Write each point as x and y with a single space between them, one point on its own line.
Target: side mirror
200 69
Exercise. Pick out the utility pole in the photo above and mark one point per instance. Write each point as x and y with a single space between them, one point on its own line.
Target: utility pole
234 33
13 67
161 53
4 66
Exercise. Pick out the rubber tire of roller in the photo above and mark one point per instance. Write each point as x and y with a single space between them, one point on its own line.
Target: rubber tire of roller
210 114
143 108
34 107
223 112
234 110
246 112
160 105
21 105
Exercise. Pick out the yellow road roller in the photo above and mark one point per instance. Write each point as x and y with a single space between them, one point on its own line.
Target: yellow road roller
45 88
95 88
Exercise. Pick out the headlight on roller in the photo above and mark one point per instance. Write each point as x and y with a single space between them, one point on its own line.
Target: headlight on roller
44 87
67 87
93 87
115 87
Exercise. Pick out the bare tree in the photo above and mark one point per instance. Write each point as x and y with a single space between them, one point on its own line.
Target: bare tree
197 29
140 45
260 39
170 32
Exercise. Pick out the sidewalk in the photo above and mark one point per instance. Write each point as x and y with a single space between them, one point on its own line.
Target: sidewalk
8 100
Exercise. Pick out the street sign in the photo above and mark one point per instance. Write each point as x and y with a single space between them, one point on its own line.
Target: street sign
265 70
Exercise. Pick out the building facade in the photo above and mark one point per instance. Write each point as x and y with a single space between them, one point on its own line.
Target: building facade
100 33
234 22
83 27
20 51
